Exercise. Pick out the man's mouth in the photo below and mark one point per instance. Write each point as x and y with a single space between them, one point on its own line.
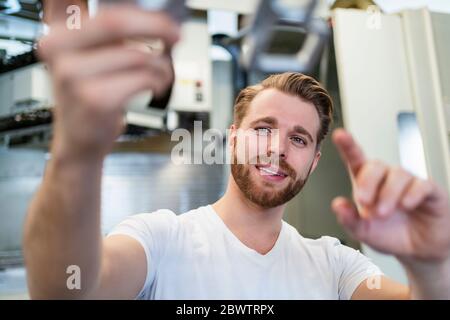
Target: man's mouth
271 171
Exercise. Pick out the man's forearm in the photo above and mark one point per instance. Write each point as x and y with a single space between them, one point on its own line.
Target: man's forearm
63 229
429 280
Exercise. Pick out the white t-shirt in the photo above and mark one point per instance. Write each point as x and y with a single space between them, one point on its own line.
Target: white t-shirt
195 256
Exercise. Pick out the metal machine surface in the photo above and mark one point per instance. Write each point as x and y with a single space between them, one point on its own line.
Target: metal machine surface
274 16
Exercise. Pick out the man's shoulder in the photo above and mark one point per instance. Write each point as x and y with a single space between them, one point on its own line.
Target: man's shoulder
162 222
323 242
170 216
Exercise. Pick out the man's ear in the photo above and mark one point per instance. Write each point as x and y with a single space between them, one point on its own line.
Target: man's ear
316 161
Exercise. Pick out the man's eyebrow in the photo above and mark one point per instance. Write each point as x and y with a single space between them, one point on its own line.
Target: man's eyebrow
268 120
301 130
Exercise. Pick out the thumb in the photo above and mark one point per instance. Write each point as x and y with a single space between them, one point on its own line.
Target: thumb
348 216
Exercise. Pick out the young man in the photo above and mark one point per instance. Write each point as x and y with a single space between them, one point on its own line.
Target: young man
238 247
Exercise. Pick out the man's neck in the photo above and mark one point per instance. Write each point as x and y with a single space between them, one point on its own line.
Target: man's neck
256 227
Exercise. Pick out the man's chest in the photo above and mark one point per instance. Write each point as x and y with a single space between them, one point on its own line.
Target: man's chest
224 274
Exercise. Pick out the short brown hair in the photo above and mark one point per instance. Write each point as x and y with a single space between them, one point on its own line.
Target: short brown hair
297 84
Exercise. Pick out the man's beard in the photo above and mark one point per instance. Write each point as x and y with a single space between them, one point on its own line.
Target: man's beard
267 198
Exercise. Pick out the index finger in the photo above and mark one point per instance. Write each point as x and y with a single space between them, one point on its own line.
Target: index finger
350 152
111 25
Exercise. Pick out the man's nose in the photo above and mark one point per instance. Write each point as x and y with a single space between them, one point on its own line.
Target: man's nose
277 147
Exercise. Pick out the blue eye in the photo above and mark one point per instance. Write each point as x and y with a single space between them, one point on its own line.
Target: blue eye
264 131
299 140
